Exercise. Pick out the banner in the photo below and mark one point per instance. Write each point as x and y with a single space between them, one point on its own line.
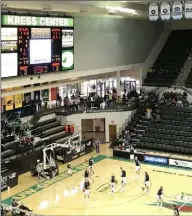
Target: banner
9 103
155 159
188 10
53 94
27 99
15 20
9 179
180 163
45 95
67 38
177 10
153 12
165 11
18 101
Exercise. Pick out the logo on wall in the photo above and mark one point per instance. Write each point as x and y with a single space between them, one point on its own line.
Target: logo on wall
153 12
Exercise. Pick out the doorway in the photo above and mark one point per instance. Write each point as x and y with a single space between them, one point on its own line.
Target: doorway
112 132
129 85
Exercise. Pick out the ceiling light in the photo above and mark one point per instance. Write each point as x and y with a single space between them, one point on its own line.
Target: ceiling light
112 11
123 10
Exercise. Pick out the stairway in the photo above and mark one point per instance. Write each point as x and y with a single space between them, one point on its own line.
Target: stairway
184 73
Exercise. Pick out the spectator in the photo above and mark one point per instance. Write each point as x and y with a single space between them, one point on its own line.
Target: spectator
158 118
14 203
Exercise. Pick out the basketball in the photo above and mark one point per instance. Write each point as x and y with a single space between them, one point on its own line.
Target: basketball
143 188
83 190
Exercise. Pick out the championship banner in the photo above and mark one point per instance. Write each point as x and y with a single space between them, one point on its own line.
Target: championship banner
177 10
45 95
188 10
165 11
9 103
153 12
18 101
67 38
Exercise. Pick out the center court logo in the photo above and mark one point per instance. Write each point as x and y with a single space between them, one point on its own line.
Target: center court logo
106 188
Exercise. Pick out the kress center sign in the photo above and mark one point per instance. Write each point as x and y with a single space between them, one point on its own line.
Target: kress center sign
14 20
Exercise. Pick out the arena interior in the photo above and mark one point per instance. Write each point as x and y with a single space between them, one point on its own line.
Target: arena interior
96 108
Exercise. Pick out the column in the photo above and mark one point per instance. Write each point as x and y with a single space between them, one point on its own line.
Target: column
141 77
118 78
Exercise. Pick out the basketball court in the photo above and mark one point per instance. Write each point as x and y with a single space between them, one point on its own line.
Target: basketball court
62 195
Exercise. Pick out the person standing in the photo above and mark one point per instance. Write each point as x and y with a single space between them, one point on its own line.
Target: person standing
123 178
87 189
131 153
112 184
175 210
159 197
91 162
97 146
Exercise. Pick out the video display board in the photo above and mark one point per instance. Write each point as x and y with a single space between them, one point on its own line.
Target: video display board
34 45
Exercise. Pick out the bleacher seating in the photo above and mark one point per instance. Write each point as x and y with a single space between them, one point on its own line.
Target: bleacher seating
188 83
50 129
172 134
170 60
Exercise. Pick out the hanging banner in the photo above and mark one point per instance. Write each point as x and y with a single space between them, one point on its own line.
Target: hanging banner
53 94
177 10
45 95
27 99
9 103
18 101
37 95
188 10
165 11
153 12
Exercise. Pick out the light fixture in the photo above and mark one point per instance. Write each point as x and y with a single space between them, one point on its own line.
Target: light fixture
123 10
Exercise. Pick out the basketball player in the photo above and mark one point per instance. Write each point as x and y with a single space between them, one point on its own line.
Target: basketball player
91 162
86 189
86 174
69 169
39 169
159 197
123 178
112 184
131 153
137 165
147 181
175 210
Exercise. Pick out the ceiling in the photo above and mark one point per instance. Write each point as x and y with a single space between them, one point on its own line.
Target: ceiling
81 8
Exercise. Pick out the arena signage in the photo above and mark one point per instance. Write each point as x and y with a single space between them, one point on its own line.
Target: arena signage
155 160
180 163
14 20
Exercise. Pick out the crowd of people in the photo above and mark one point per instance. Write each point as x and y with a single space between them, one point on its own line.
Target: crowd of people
174 99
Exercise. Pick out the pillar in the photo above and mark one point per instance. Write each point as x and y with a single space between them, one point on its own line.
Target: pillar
141 77
118 79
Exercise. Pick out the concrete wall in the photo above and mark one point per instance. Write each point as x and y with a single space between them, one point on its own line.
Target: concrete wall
110 42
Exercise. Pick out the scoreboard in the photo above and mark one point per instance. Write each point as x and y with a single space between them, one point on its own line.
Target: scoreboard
34 45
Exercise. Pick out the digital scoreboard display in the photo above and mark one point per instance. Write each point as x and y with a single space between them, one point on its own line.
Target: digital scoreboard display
38 44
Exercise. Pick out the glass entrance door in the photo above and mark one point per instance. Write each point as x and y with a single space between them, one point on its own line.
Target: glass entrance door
129 85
